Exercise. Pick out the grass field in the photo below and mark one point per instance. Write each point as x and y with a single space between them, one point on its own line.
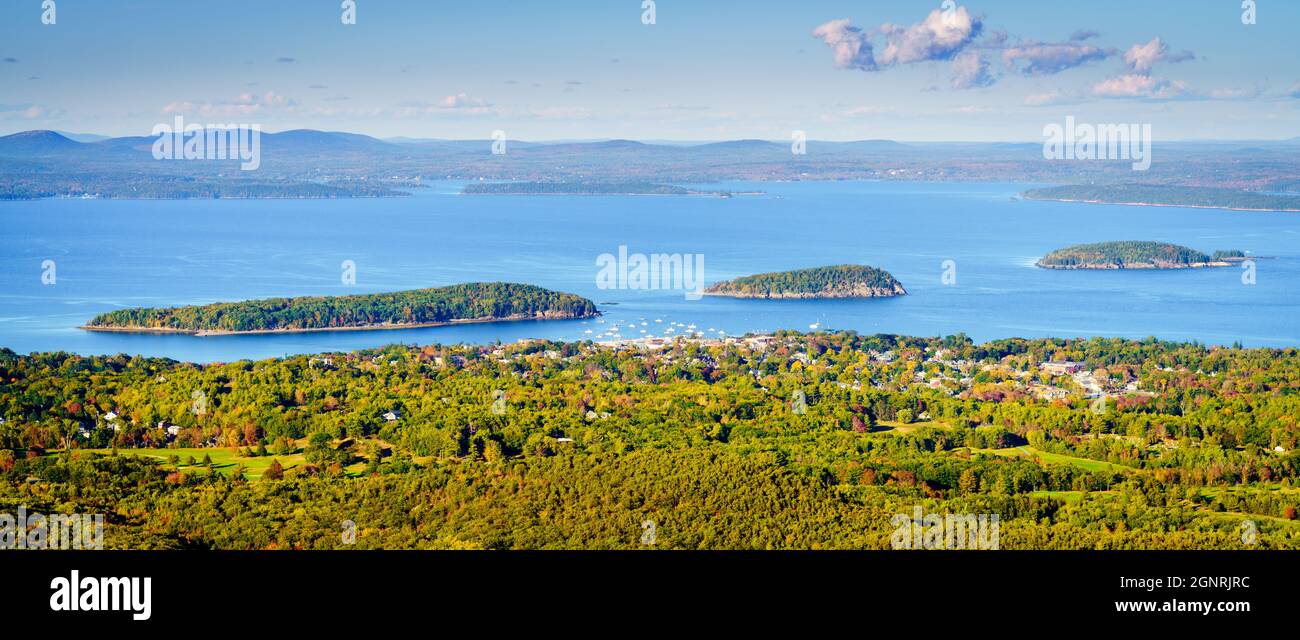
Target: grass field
224 461
889 426
1055 458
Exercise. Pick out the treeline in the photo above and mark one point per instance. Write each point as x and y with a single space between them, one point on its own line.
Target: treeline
133 185
483 300
1124 253
582 188
1173 195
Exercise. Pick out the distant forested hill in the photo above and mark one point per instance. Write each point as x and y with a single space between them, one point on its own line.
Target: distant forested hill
462 302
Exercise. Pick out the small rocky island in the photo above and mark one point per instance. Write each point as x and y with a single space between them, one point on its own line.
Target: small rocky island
462 303
1136 255
840 281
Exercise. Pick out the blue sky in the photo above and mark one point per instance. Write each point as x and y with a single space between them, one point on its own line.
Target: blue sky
706 70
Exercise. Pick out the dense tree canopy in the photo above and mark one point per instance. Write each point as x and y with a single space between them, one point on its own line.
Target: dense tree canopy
840 281
474 301
560 445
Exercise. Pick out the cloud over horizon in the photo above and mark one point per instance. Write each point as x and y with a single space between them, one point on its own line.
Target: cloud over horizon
1141 57
954 34
850 46
943 35
1035 58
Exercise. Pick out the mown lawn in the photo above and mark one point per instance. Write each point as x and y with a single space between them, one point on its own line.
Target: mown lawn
1086 464
890 426
224 461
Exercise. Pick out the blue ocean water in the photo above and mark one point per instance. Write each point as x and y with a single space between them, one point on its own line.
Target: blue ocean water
110 254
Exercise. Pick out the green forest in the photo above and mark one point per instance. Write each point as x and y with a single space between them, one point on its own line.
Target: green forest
1169 195
473 301
1128 254
846 280
799 442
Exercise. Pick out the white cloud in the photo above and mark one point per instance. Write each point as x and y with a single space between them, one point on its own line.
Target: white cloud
970 70
244 104
1136 85
462 101
1234 93
850 46
1046 98
940 36
27 111
1142 57
1046 58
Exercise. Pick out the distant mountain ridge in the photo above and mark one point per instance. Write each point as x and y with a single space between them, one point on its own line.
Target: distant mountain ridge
313 139
39 142
312 163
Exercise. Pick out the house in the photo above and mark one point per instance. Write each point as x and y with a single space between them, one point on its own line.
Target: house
1043 392
562 440
1063 368
110 416
393 416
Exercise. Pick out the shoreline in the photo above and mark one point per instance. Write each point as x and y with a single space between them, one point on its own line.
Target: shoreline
1144 266
803 297
666 195
216 333
1157 204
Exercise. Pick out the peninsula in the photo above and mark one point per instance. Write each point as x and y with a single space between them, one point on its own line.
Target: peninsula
1158 195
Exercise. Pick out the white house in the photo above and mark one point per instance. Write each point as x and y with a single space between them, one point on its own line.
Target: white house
392 416
1061 368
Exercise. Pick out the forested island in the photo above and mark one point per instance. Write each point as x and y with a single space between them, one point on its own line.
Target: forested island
1168 196
840 281
787 441
1135 254
472 302
586 189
